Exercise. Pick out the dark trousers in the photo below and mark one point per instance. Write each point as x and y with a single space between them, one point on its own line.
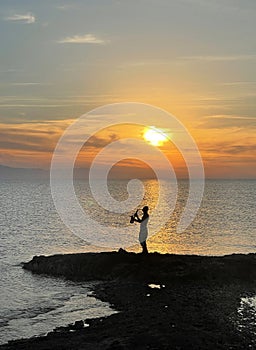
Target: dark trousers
144 247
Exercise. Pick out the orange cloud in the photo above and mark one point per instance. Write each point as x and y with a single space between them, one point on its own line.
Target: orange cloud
227 151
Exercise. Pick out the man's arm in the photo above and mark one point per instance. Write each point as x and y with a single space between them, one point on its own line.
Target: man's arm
137 219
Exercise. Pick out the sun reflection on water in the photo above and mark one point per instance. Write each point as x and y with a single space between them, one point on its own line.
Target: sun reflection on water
219 227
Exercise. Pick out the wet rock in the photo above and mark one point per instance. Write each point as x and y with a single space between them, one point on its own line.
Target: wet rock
196 310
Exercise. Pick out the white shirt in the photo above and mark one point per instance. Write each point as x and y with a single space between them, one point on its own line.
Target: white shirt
143 230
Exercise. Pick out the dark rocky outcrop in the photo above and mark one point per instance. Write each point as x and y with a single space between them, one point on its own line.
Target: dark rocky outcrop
139 267
194 306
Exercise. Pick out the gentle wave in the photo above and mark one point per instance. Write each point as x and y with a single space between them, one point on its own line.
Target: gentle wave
30 225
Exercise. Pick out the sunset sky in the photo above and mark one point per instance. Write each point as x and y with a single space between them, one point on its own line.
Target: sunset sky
194 58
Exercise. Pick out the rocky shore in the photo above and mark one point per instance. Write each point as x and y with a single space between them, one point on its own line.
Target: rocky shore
164 301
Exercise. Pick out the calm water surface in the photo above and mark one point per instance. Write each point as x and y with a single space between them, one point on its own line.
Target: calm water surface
33 305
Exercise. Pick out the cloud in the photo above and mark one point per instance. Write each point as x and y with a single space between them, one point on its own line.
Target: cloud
99 142
221 58
11 70
25 84
29 137
82 39
238 149
65 7
27 18
225 148
150 62
239 83
227 121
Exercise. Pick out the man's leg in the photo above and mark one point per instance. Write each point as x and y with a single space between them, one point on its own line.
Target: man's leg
144 247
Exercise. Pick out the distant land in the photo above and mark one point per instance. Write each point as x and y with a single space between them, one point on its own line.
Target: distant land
117 172
13 173
10 173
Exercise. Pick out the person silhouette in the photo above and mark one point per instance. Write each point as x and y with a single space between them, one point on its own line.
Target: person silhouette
143 228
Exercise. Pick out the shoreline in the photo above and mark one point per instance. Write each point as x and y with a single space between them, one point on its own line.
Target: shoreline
193 304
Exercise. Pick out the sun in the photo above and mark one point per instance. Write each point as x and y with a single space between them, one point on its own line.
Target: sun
155 137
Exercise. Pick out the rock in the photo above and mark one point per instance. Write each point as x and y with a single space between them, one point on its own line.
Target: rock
153 268
122 251
202 294
78 325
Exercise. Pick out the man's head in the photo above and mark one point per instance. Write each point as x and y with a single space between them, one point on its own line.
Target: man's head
145 209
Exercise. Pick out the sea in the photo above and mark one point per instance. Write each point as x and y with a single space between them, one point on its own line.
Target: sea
32 305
